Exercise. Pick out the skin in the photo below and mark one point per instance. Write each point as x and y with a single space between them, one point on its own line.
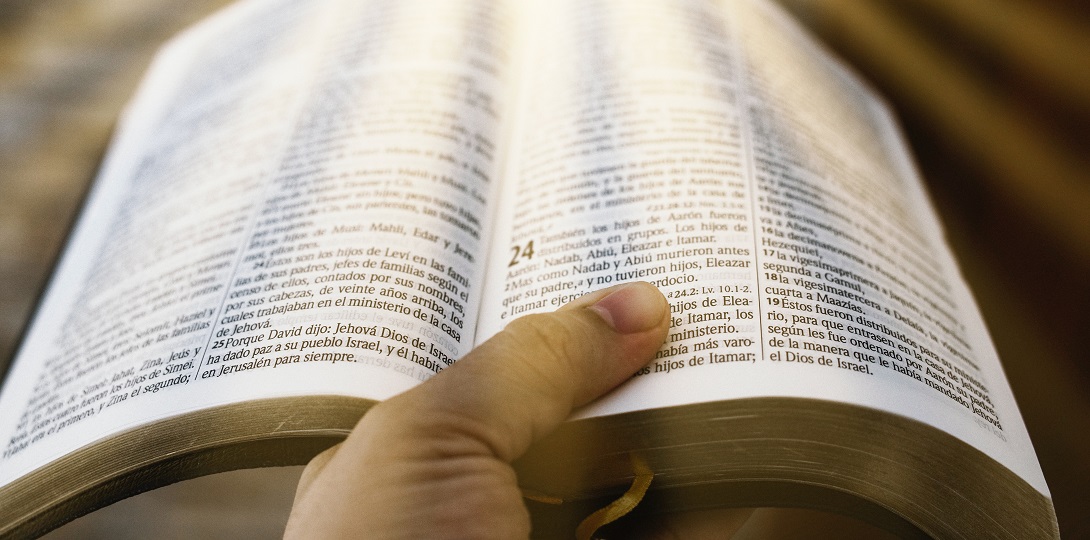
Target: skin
435 460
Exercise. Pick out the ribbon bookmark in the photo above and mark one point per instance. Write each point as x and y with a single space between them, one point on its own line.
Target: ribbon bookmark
623 505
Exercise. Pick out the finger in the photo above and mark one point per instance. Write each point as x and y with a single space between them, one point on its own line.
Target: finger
527 379
566 359
444 445
313 469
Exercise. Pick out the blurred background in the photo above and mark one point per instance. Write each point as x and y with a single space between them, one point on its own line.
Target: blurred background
994 96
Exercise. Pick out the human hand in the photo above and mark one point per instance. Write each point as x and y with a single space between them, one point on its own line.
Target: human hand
435 460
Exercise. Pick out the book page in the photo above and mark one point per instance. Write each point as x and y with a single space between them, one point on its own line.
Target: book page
297 204
716 151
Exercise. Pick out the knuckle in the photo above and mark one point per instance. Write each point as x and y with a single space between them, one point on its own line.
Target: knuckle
557 340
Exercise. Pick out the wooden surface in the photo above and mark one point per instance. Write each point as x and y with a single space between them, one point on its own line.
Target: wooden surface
67 67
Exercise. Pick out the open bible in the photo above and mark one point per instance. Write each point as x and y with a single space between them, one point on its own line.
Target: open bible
310 207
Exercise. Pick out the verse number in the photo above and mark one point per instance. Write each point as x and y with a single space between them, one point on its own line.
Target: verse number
524 252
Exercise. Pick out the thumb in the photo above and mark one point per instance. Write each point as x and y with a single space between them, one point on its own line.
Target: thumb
436 457
526 380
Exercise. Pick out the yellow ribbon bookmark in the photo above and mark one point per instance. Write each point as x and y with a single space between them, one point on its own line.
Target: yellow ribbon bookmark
623 505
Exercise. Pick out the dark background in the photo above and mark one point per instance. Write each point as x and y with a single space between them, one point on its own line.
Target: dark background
994 96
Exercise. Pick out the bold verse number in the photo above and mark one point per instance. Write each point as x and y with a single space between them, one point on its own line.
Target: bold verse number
525 252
